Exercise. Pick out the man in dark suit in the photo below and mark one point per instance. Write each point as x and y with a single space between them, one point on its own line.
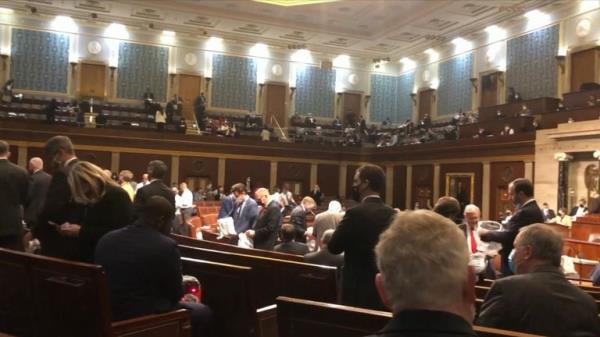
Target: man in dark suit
228 203
143 267
157 170
580 209
323 256
428 298
14 184
39 181
528 212
264 232
298 217
59 206
539 299
288 244
357 235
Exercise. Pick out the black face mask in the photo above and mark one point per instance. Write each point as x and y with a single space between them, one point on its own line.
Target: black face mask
355 194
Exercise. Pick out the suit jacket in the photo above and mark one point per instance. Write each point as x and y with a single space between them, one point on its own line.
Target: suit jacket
113 211
292 247
573 211
356 237
59 208
156 187
526 215
267 226
227 207
14 185
298 219
541 302
324 257
38 188
324 221
244 218
143 268
426 323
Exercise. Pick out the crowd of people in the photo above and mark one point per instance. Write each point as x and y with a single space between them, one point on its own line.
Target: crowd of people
421 264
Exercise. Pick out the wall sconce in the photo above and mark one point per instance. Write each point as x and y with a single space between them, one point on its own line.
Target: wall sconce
474 83
112 71
4 60
172 77
367 99
292 91
560 61
413 97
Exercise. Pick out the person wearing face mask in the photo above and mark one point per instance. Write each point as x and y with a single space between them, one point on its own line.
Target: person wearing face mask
527 212
357 235
539 299
264 232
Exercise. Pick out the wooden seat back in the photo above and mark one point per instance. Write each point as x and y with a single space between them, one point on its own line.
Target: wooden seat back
583 249
273 277
299 318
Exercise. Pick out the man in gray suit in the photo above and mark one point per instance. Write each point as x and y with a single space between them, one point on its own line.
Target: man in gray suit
39 181
14 184
323 256
539 299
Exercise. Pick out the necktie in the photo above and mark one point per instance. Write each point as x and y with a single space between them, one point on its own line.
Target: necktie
473 243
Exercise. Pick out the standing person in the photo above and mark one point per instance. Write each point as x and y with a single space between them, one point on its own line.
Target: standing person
317 195
14 185
7 91
327 220
246 211
39 181
145 181
157 171
51 111
59 206
357 235
298 217
264 232
107 207
199 110
125 180
148 99
528 212
160 118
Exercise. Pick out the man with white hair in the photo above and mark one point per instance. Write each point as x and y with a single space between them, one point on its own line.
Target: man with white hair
264 232
329 219
539 299
425 277
39 181
479 250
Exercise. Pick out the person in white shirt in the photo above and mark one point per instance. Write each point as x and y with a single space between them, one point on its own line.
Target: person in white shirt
481 252
145 181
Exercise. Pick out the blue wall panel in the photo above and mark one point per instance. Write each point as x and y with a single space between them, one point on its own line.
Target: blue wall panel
142 66
390 97
234 82
454 92
315 92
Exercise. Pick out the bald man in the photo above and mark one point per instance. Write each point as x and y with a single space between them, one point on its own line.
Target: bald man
264 232
38 188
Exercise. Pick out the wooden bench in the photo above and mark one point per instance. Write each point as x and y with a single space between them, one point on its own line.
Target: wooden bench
299 318
273 277
44 296
184 240
583 249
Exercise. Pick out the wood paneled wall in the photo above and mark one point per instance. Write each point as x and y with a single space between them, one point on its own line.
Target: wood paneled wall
422 185
328 179
350 179
297 172
237 170
501 174
584 65
14 153
400 187
201 167
469 168
102 159
138 164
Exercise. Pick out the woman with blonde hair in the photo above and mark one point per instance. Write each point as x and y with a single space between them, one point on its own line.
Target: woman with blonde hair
106 207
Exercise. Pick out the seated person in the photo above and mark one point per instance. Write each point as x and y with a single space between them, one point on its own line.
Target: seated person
143 268
507 130
513 95
481 252
530 301
560 107
428 298
482 133
562 218
525 111
323 256
499 114
289 244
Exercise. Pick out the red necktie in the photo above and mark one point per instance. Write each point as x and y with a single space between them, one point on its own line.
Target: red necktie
473 243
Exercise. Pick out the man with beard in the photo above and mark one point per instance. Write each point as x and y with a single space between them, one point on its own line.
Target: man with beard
357 235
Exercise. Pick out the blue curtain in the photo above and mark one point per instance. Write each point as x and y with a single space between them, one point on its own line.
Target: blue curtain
39 60
531 63
454 92
234 82
390 97
315 91
142 66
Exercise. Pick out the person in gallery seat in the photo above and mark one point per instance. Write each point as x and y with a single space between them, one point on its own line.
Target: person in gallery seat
143 268
513 95
408 256
539 299
148 100
357 235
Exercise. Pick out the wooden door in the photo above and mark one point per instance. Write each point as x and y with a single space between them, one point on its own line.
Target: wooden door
426 102
276 95
190 87
92 80
351 108
583 68
489 89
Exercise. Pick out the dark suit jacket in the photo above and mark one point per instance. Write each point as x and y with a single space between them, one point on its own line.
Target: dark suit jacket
541 302
528 214
356 237
59 208
156 187
143 268
292 247
38 188
298 219
246 217
14 185
324 257
426 323
113 211
267 226
574 210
